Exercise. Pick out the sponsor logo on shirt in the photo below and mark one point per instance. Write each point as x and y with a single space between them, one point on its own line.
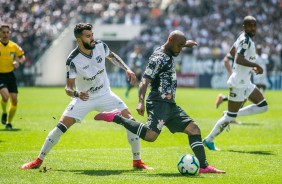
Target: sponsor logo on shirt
94 89
252 58
85 67
93 77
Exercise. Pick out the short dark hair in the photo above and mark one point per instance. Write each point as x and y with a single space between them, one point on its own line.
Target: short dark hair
248 19
5 26
80 27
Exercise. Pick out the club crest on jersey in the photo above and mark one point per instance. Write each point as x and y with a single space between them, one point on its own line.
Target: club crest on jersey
245 46
99 59
12 54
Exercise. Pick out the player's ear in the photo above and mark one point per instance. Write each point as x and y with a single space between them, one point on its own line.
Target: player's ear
78 39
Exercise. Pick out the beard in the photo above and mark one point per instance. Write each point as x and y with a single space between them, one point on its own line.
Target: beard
88 46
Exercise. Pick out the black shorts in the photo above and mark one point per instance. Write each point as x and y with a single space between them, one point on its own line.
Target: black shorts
8 80
168 114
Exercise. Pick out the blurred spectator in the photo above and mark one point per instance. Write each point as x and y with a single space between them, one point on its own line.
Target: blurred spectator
260 80
137 64
214 24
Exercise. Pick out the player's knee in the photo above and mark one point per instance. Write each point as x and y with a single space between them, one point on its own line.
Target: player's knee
150 139
150 136
5 98
192 129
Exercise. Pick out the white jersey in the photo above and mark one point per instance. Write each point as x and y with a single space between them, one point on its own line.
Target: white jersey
241 75
263 61
89 71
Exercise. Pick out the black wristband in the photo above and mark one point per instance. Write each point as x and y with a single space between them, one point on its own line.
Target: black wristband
75 94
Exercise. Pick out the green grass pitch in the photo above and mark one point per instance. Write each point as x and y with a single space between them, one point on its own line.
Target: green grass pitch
98 152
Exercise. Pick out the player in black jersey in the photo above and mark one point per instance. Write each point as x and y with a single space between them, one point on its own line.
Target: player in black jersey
160 104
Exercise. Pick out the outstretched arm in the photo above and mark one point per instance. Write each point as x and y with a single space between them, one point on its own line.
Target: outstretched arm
190 43
116 60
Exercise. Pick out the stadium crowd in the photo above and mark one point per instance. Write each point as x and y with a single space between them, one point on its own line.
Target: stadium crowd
213 24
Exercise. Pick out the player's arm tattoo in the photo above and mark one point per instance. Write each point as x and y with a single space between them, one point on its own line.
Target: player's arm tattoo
142 89
114 58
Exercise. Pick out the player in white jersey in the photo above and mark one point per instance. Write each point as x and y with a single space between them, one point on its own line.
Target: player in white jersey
87 73
240 84
261 80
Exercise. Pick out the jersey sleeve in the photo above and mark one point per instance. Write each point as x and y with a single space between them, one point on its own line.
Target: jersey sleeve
71 70
243 45
19 51
105 46
153 67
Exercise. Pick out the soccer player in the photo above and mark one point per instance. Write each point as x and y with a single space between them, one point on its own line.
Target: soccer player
261 80
136 64
11 55
162 110
87 72
240 84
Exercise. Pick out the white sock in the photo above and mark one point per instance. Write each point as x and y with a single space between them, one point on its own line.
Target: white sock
219 127
134 141
252 109
51 140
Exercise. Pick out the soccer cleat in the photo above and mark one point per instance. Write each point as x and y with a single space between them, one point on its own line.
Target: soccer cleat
211 169
219 100
9 126
32 165
138 164
210 145
107 116
4 118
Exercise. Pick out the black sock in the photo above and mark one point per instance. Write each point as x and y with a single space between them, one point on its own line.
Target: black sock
198 149
139 129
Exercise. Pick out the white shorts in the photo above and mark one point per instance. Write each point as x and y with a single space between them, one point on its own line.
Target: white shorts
78 108
240 94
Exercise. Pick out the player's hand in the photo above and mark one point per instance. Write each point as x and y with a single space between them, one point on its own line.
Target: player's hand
258 69
140 109
131 76
16 64
83 95
190 43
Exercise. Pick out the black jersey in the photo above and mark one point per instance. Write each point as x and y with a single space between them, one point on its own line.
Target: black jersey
161 71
